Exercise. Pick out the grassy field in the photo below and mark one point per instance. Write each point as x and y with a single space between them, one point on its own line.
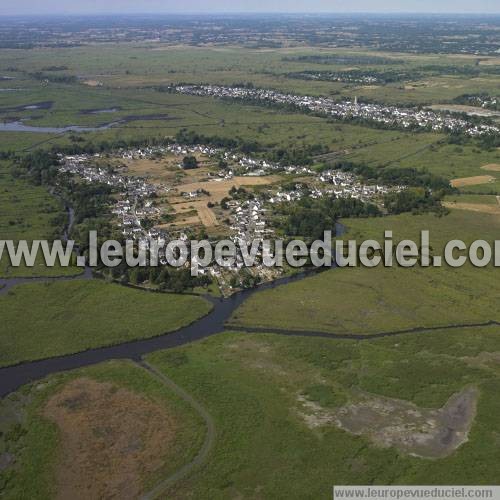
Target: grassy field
39 449
473 198
269 127
72 316
276 435
140 65
366 301
29 212
285 408
427 152
129 74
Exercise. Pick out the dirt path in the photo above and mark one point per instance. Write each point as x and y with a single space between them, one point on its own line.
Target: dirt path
208 444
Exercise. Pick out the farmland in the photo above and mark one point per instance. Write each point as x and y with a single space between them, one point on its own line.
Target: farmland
217 191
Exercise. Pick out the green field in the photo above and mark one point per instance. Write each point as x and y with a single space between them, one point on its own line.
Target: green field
274 437
52 319
265 447
129 75
35 443
30 213
281 404
366 301
138 65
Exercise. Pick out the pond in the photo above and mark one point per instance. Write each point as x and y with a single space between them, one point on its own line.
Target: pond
19 126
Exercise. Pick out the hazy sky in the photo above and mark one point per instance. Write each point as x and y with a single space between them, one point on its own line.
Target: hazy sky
191 6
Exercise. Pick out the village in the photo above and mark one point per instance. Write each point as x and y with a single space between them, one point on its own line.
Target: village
390 116
247 215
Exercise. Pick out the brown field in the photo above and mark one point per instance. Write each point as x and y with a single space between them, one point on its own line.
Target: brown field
472 181
492 167
204 215
92 83
110 438
218 190
159 170
475 207
491 61
165 169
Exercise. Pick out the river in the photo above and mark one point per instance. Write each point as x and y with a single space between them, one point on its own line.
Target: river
14 377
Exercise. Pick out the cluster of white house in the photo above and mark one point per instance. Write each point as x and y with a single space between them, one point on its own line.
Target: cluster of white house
135 202
337 77
248 221
347 110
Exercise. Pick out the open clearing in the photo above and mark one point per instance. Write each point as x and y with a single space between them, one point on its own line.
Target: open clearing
397 400
472 181
426 433
475 207
492 167
220 189
110 438
217 191
205 215
111 430
164 169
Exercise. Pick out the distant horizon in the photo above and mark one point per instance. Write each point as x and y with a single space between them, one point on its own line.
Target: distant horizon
30 8
248 13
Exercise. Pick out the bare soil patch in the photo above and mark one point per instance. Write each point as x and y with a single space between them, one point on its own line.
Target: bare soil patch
474 207
492 167
217 191
6 459
472 181
92 83
110 439
220 189
427 433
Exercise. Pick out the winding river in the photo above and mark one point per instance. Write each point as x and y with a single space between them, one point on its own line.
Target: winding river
13 377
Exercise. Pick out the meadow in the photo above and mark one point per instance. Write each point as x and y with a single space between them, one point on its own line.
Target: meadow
276 430
130 74
274 438
72 316
275 399
39 447
137 65
29 212
368 301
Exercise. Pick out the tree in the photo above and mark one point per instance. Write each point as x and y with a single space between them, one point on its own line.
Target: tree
189 162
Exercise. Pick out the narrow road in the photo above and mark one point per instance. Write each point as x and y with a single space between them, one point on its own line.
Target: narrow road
202 456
